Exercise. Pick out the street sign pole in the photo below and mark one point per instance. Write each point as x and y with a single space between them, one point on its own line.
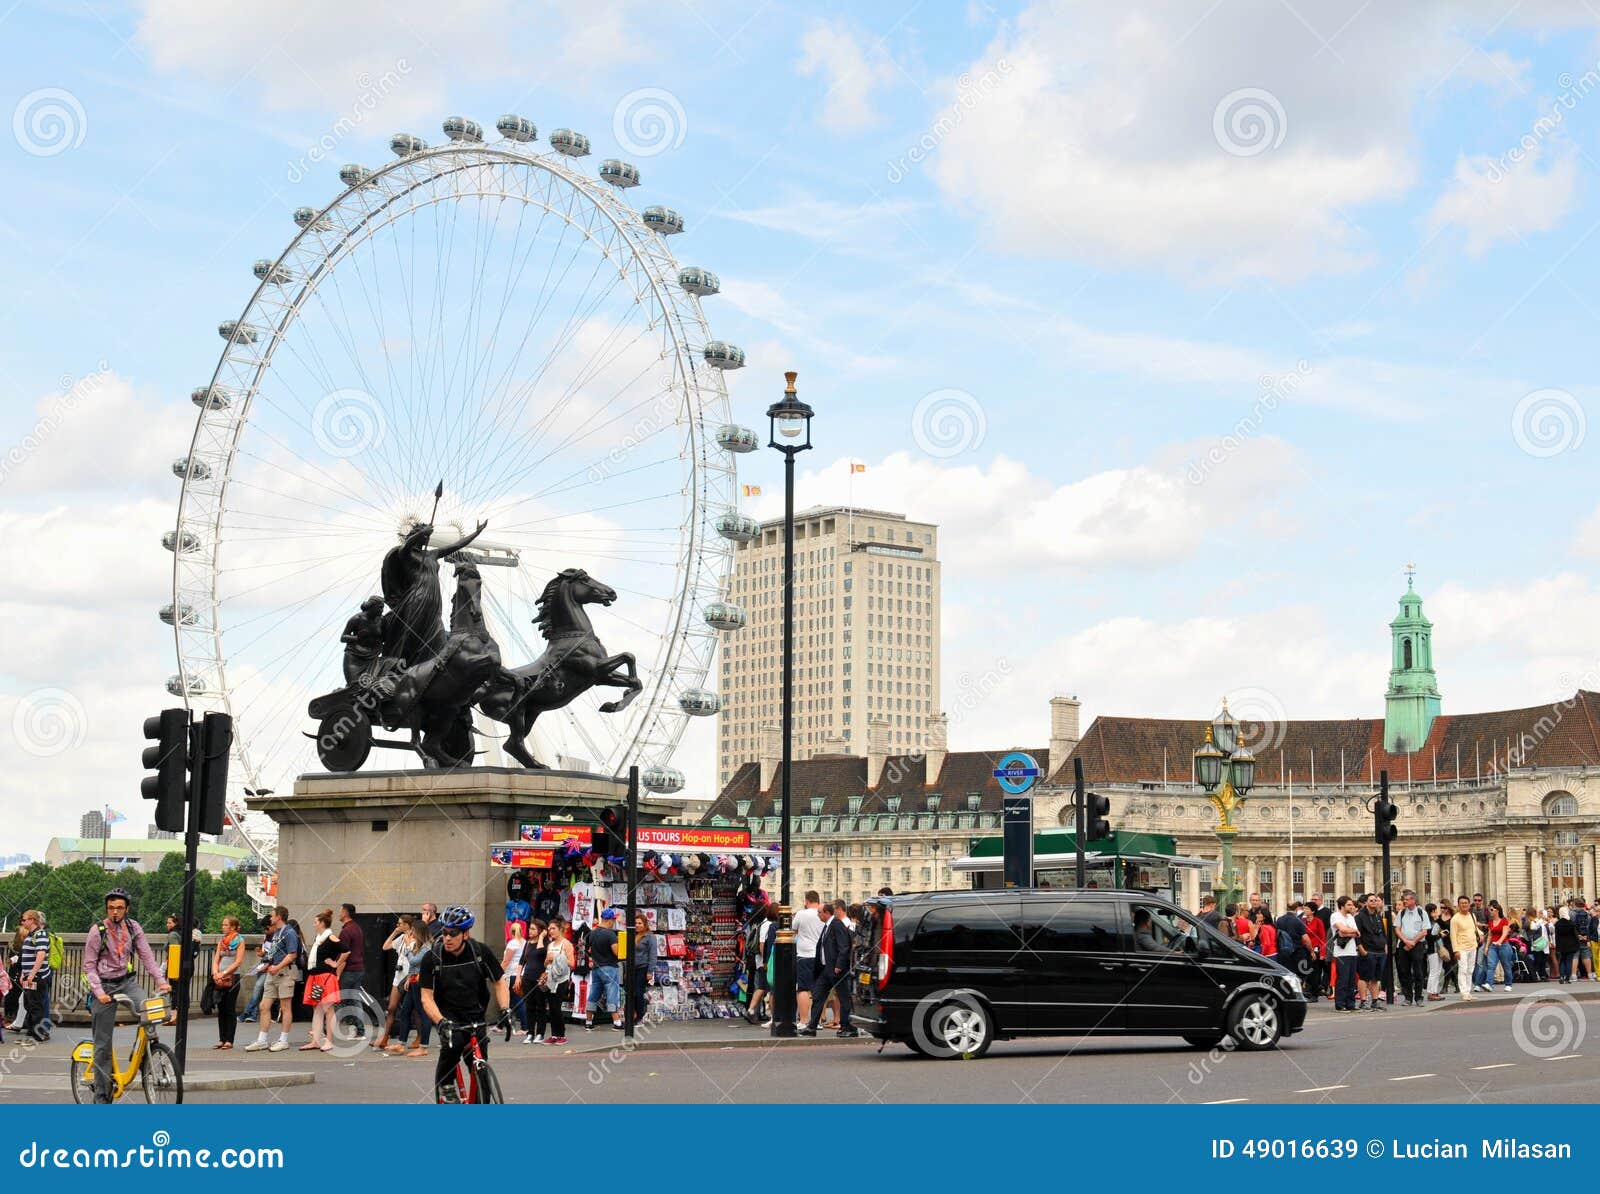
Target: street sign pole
1017 773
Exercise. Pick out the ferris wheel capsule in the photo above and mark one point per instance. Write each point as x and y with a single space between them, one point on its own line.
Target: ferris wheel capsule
699 702
699 282
307 217
721 355
662 220
735 438
665 780
740 528
179 685
186 543
406 144
239 333
198 469
211 397
170 614
355 175
619 174
725 615
516 128
459 128
269 271
573 145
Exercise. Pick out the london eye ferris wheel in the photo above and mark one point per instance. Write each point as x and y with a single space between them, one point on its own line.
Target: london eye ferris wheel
485 312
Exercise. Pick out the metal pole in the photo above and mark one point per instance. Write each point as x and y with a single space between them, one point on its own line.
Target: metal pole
633 900
1080 809
783 966
191 854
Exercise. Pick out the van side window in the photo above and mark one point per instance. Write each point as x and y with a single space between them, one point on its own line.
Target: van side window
1077 926
980 926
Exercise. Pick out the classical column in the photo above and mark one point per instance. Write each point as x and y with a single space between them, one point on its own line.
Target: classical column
1536 875
1502 880
1191 888
1591 856
1453 871
1341 877
1313 884
1413 871
1281 888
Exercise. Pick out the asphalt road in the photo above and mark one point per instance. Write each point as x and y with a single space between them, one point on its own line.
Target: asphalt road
1505 1052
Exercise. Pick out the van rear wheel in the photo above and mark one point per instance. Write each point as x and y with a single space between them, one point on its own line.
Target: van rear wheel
1255 1022
958 1027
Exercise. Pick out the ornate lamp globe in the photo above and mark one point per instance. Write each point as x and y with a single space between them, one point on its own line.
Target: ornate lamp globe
1208 762
790 418
1243 765
1225 730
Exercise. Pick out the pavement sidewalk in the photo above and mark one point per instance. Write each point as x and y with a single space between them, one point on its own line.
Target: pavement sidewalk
1582 991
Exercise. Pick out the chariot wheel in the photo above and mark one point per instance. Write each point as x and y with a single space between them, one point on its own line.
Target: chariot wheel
344 739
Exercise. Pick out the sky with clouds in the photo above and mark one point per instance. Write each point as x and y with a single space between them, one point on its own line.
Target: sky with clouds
1190 324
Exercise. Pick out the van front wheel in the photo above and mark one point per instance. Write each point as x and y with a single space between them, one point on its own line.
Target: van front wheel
1255 1022
1203 1040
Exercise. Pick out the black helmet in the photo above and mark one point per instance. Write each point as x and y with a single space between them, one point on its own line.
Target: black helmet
119 893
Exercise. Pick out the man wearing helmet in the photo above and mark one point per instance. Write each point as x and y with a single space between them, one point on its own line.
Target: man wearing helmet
108 967
455 978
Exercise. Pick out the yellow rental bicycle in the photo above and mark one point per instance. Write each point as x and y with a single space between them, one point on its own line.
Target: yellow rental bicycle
151 1062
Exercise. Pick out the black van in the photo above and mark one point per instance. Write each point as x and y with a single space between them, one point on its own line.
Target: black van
949 973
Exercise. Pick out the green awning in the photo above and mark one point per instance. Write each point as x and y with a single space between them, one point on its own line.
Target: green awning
1055 842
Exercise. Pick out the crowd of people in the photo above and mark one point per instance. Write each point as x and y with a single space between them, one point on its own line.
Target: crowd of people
27 983
1349 948
824 940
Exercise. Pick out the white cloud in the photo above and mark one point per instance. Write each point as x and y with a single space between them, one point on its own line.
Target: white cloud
1104 138
1492 204
852 72
822 219
99 434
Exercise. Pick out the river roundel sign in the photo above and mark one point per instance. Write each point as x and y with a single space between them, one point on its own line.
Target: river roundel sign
1017 772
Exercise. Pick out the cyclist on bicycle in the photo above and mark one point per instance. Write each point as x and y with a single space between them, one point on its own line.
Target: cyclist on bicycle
456 977
108 966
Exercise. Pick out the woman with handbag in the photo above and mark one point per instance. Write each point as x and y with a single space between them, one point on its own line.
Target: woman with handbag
322 983
225 963
555 984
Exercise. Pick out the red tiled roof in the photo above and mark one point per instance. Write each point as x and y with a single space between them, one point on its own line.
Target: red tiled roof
836 778
1145 749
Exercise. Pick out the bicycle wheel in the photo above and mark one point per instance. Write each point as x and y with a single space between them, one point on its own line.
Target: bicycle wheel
82 1078
488 1085
163 1083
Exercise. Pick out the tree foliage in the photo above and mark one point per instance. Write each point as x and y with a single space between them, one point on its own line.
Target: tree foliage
72 897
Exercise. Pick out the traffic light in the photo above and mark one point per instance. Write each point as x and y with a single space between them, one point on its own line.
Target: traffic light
1096 809
169 759
211 780
612 839
1383 815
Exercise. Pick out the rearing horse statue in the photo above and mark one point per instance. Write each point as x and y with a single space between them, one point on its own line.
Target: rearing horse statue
574 662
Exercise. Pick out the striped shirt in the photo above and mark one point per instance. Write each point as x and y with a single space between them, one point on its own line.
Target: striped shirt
35 945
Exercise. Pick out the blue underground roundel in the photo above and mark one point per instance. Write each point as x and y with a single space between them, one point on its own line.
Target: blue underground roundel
1017 772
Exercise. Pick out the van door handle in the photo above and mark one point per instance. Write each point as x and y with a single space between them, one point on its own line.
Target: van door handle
1140 966
1108 965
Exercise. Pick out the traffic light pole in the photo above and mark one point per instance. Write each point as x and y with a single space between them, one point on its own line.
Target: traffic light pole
191 857
634 943
1080 805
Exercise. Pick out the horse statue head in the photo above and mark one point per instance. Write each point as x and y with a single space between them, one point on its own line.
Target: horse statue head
559 604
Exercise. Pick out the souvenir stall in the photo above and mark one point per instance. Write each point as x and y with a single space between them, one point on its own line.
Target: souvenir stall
697 888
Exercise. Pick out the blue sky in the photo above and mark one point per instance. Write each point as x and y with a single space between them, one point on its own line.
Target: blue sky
1102 238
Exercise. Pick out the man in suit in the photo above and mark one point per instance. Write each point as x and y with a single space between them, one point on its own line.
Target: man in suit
833 970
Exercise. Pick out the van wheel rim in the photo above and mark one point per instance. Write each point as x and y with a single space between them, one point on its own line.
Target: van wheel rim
1259 1023
962 1029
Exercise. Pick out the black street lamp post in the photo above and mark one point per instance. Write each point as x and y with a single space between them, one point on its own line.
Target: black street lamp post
790 433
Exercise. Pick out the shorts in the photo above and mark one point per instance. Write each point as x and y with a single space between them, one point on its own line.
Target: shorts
607 979
805 973
1370 966
277 986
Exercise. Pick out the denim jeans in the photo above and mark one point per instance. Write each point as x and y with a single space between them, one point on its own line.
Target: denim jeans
253 1008
1484 970
1506 954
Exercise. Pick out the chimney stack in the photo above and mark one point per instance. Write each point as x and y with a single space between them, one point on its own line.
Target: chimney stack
877 749
1063 730
771 754
938 746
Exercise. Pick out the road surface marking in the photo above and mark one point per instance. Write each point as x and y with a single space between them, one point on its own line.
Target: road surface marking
1564 1057
1499 1065
1320 1089
1412 1077
1215 1102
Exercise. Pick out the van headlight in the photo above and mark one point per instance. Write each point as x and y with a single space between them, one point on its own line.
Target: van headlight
1291 985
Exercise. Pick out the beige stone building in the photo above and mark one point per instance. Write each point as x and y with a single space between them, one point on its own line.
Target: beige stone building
866 609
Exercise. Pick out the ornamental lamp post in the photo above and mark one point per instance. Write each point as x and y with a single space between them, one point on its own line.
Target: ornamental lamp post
1227 771
789 432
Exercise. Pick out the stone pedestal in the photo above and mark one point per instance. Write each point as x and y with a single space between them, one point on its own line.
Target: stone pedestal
388 841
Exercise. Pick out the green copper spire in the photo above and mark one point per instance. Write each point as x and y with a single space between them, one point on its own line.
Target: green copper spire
1412 701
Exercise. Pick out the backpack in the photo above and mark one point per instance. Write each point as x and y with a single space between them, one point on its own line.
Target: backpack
135 932
57 957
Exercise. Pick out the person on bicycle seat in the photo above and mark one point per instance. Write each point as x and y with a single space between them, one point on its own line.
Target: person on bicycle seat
456 977
108 967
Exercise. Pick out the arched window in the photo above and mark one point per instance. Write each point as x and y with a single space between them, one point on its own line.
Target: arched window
1561 804
1408 654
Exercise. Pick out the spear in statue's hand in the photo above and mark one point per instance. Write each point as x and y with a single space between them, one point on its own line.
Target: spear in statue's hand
438 492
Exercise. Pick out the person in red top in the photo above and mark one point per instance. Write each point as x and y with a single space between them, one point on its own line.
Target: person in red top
1500 948
1316 982
1266 935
